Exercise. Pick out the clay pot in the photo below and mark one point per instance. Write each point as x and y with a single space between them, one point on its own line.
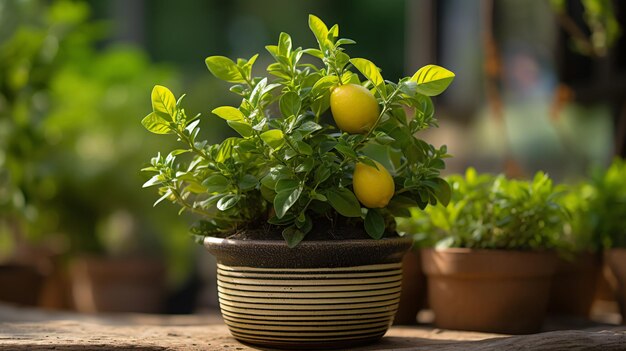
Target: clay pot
20 284
616 260
574 285
413 296
320 294
118 285
494 291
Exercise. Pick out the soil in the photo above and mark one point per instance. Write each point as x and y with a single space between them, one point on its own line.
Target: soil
323 229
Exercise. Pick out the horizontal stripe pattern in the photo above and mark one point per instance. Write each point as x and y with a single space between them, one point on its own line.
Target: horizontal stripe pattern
309 305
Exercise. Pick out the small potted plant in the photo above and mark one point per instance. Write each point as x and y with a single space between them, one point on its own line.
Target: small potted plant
492 259
298 210
607 211
578 268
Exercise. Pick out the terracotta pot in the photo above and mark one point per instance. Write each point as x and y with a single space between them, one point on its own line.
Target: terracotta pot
118 285
616 259
489 290
606 282
413 296
574 285
20 284
320 294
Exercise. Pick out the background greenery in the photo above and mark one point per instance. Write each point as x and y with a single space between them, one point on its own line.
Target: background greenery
75 78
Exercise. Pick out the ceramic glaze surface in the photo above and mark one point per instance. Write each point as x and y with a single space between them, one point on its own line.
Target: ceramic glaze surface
309 305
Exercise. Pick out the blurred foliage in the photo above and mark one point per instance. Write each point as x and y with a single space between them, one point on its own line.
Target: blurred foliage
599 17
578 234
607 205
68 134
492 212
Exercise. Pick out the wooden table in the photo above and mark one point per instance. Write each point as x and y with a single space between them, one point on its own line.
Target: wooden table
32 329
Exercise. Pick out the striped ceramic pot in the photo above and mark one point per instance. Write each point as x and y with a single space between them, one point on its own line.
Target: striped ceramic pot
320 294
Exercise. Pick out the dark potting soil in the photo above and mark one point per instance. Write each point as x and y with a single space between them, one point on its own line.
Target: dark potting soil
323 229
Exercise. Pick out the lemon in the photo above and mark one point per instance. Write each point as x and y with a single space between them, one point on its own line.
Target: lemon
373 187
354 108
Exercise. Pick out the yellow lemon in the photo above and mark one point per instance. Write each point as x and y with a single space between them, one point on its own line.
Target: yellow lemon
373 187
354 108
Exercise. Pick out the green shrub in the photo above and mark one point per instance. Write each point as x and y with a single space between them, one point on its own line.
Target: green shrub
492 212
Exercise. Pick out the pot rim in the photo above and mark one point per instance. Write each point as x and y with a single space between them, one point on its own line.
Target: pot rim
307 254
212 240
486 251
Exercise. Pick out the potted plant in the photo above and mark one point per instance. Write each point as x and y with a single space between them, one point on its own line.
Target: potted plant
578 268
491 261
607 211
298 210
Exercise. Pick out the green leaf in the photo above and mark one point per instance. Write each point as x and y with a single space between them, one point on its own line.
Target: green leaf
309 127
432 80
268 194
344 201
286 184
304 148
248 182
304 223
322 174
153 181
225 150
228 113
321 104
374 224
285 199
423 106
216 183
289 104
293 236
333 32
314 52
224 69
274 138
272 177
156 124
344 41
227 201
443 192
163 102
243 128
284 44
371 72
319 29
306 165
346 151
323 85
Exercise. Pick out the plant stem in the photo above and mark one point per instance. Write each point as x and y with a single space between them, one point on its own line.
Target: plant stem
187 141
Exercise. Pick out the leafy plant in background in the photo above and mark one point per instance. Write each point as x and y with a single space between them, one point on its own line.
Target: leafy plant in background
607 205
288 166
64 110
493 212
29 57
579 235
